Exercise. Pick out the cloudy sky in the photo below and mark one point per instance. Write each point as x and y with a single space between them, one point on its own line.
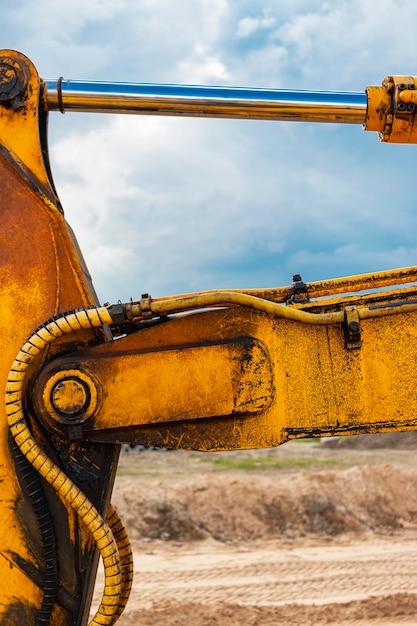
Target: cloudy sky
169 205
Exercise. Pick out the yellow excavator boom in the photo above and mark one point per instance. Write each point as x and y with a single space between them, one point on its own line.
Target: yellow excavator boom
216 370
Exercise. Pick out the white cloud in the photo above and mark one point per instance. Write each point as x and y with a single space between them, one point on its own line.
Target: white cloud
171 205
249 25
203 68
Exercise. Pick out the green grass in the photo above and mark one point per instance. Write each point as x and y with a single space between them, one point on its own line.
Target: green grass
129 471
262 463
314 440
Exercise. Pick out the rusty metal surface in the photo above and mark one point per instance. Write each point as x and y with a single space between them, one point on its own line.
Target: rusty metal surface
326 380
40 275
136 386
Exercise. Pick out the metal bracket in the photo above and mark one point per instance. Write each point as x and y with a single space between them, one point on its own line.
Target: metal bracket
118 314
145 306
299 291
352 328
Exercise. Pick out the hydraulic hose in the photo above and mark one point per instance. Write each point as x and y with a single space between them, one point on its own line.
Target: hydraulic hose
31 480
146 308
326 288
113 600
126 557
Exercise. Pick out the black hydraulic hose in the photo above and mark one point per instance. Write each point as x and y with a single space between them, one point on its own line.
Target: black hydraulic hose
31 481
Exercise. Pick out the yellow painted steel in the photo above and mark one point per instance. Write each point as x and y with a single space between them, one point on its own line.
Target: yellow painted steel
207 371
202 379
306 379
41 274
22 140
391 109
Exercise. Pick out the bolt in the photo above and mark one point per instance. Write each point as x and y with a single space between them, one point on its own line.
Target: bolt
17 103
354 326
70 397
8 77
14 76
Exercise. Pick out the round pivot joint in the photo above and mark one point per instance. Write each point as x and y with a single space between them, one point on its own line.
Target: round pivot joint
13 81
70 396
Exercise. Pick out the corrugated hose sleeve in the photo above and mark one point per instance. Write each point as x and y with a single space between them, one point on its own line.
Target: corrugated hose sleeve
117 567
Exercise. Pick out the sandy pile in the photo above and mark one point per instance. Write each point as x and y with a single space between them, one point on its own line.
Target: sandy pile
243 507
278 546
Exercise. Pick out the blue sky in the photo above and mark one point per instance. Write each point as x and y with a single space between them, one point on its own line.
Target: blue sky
169 205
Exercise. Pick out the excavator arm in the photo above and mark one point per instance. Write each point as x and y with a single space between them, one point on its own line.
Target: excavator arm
206 371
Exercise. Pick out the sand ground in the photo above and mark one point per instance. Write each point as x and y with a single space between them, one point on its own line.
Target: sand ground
299 535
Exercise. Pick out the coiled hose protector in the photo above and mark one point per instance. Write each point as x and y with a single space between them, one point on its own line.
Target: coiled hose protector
118 572
126 557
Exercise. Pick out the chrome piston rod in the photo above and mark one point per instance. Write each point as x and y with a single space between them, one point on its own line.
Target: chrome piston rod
201 101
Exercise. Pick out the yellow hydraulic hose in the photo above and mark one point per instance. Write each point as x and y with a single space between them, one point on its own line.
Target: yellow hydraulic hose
160 307
227 298
112 602
126 557
326 288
